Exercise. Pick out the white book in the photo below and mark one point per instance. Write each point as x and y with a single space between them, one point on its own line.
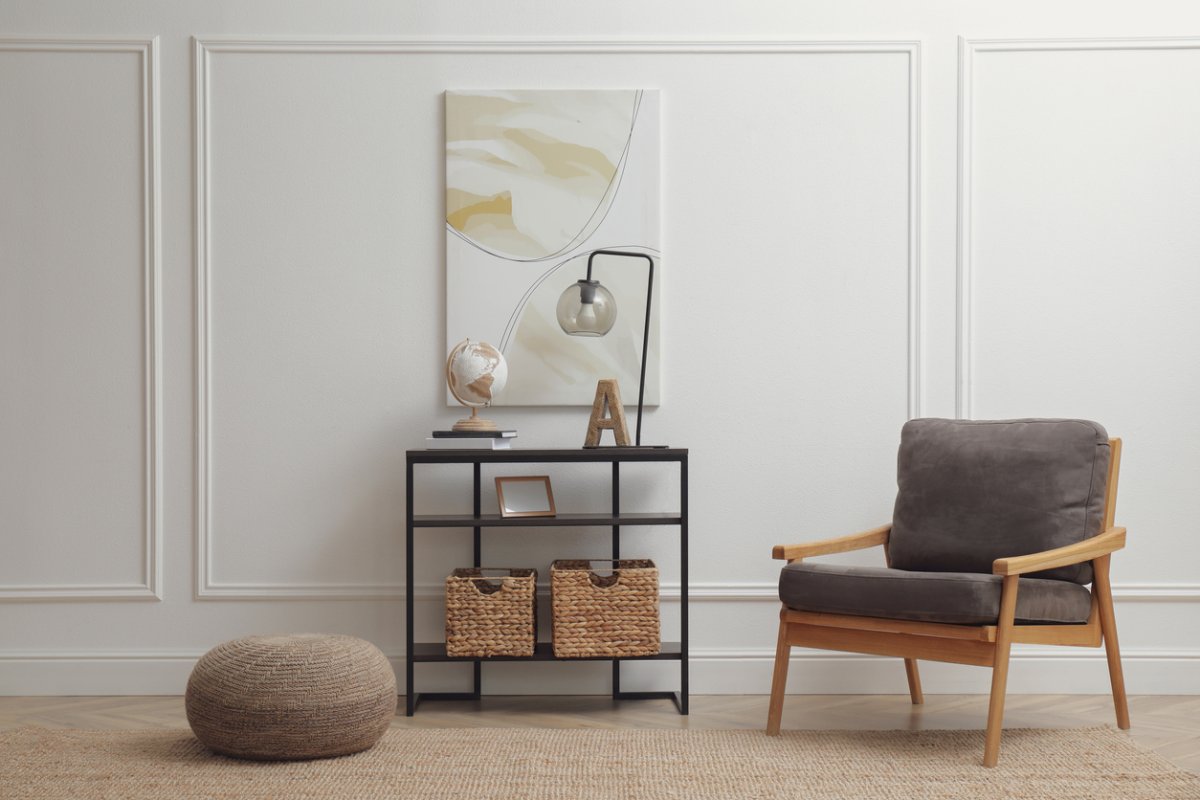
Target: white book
475 443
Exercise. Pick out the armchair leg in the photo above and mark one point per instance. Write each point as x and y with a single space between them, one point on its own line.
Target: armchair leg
783 652
1108 627
1004 633
914 681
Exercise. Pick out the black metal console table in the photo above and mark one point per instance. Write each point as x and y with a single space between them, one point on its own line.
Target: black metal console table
436 651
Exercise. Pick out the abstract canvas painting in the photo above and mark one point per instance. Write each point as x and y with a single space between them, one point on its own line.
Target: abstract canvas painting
535 181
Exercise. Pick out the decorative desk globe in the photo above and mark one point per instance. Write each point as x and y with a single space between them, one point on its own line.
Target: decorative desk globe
475 372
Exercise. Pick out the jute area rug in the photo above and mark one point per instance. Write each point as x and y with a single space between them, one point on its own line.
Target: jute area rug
481 764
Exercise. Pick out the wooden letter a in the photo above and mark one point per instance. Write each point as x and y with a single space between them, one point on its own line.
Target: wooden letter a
607 414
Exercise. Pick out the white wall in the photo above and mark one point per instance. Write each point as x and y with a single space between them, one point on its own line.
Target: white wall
222 294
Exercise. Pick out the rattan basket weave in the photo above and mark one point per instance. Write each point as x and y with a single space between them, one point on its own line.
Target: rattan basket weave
604 615
491 612
291 697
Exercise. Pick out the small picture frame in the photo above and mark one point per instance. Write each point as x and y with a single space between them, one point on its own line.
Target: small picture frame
525 496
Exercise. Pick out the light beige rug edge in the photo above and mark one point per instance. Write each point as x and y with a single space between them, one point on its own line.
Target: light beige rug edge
565 764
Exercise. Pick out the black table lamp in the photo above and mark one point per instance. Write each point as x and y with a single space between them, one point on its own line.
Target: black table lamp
586 308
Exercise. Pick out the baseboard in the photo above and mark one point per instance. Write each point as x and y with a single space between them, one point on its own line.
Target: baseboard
711 672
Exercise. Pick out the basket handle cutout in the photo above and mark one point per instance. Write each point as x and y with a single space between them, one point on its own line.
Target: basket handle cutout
501 579
605 581
487 586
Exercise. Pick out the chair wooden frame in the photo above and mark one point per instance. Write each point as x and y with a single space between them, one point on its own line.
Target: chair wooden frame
980 645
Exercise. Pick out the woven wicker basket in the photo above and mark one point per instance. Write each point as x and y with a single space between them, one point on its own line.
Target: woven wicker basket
604 615
491 612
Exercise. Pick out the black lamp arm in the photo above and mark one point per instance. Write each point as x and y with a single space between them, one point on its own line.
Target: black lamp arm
645 333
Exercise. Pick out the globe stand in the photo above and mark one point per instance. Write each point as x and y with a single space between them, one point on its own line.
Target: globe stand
474 423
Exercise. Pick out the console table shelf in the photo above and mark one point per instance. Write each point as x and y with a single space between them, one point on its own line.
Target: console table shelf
562 520
554 456
614 520
543 651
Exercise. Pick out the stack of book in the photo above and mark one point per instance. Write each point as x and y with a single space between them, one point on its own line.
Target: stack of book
471 440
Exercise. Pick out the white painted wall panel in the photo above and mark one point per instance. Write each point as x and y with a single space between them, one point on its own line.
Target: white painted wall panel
308 336
1084 175
324 212
76 417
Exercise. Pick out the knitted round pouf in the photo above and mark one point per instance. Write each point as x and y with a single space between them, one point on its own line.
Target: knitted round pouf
291 697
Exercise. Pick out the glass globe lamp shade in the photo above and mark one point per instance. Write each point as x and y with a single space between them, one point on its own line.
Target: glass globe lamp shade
586 308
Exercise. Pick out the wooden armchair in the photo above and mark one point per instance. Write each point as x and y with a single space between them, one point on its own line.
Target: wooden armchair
960 483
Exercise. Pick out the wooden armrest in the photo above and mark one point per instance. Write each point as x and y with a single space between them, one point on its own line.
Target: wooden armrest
1096 546
842 544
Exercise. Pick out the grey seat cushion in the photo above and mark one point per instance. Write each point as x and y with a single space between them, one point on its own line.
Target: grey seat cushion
963 598
974 491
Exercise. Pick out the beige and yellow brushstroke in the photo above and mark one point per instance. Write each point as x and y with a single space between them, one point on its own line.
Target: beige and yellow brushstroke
530 173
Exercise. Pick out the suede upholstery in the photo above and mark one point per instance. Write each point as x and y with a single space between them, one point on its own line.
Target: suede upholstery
974 491
963 598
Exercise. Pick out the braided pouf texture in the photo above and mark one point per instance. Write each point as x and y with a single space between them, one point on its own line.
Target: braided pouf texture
301 696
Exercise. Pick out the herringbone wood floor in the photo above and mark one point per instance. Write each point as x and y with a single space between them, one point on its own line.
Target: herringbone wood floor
1167 725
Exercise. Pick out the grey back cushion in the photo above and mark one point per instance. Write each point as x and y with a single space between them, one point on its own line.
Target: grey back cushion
974 491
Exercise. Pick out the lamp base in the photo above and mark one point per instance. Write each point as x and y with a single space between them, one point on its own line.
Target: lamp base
626 446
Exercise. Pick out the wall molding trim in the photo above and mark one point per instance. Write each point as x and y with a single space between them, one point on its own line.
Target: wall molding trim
967 51
565 46
297 591
769 592
82 44
204 47
712 592
152 559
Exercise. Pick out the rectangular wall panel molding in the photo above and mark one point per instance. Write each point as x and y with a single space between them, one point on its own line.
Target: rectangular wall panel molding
66 53
1076 266
969 50
209 581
